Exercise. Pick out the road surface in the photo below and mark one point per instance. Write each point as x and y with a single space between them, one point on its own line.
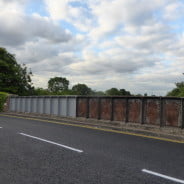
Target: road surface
36 152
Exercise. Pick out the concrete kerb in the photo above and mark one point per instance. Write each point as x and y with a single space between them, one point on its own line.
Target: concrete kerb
147 130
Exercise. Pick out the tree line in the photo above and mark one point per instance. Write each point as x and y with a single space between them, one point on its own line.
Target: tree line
16 79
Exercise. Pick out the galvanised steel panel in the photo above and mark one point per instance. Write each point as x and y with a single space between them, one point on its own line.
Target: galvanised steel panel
47 105
18 107
28 104
23 107
34 105
12 104
72 107
63 106
54 105
40 105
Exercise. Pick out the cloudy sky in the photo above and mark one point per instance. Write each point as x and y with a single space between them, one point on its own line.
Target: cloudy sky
137 45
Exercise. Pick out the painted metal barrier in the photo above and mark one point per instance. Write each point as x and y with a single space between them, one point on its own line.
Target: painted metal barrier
160 111
51 105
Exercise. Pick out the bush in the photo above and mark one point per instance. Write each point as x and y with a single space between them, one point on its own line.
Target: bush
3 97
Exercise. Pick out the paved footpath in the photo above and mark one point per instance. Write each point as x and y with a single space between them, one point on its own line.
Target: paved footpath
36 152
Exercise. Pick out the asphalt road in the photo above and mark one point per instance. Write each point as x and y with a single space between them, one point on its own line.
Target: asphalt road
34 152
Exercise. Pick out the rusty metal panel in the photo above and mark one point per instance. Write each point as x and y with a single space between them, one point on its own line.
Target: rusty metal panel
93 108
134 112
82 107
152 112
172 111
119 113
105 109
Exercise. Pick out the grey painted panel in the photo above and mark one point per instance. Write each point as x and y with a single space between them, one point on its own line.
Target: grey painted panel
12 104
28 104
63 107
18 104
23 101
34 105
72 107
40 105
47 105
54 106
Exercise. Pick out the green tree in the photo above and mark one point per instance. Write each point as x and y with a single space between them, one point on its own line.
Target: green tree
178 91
58 84
123 92
112 91
41 91
81 89
14 78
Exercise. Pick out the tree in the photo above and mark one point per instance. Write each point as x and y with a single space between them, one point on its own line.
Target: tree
58 84
81 89
14 78
178 91
123 92
41 91
112 91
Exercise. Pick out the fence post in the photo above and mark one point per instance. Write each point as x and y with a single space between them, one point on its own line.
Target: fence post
77 104
87 106
112 109
182 113
67 106
50 105
99 108
127 111
142 110
161 111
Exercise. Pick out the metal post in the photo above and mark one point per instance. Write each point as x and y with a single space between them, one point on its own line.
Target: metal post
99 108
161 111
67 113
87 107
77 104
59 106
127 111
50 105
142 111
37 104
182 113
112 109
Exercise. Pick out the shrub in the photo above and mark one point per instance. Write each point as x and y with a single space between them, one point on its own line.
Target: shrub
3 97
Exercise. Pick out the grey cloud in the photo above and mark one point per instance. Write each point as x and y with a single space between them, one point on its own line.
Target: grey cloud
17 30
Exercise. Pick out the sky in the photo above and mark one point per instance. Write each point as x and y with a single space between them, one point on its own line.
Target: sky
137 45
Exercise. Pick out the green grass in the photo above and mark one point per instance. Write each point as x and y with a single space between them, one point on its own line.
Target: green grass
3 97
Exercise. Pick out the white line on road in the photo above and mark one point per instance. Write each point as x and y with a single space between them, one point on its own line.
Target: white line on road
1 127
163 176
51 142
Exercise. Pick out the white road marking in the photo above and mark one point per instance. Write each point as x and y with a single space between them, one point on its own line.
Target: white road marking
1 127
51 142
163 176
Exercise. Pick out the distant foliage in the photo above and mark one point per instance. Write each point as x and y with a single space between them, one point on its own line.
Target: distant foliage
58 84
81 89
14 78
3 97
178 91
117 92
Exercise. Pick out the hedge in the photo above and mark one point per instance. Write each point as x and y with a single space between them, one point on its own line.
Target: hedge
3 97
